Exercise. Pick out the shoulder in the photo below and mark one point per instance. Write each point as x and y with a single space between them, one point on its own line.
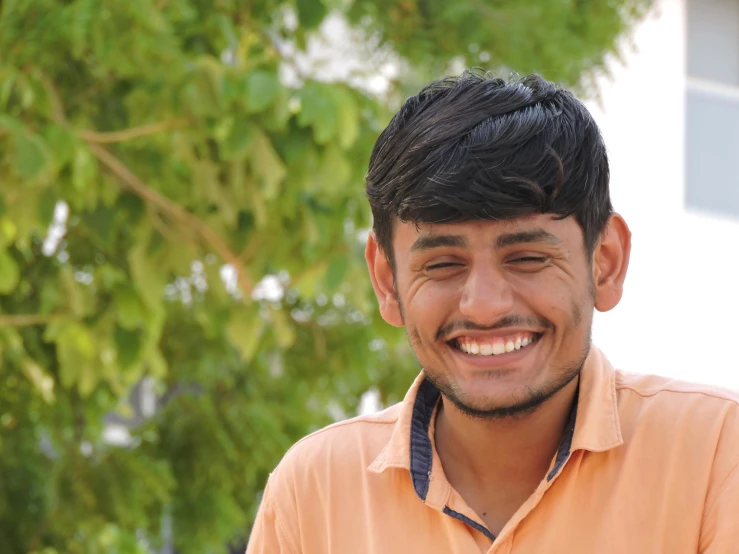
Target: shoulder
700 417
362 431
669 397
343 448
672 400
647 386
316 482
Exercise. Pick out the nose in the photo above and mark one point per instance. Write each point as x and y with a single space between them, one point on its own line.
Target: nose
486 296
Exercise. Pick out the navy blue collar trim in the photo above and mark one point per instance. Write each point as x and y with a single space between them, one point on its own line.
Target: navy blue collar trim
563 452
421 451
471 522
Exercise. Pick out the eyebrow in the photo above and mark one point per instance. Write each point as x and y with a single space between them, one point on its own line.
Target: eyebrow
427 242
535 235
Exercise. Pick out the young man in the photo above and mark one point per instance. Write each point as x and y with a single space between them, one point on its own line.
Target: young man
494 240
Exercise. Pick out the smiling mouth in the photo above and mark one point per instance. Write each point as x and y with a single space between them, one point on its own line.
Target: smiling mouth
494 346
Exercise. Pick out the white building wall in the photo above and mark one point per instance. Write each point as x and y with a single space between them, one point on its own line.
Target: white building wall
680 311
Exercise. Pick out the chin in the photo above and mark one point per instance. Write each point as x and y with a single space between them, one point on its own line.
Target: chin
498 407
483 393
496 398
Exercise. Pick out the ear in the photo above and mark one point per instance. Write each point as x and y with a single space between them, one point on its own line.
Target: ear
610 263
381 274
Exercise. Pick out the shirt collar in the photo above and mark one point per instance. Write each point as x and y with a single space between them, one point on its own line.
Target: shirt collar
595 418
598 427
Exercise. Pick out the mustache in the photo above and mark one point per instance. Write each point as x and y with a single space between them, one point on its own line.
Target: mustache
538 323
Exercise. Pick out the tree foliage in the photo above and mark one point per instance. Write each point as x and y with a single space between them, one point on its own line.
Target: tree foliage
146 149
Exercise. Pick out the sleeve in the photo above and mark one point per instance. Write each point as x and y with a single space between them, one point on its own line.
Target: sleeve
720 532
268 535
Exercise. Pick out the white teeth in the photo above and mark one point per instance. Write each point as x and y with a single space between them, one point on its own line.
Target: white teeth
494 349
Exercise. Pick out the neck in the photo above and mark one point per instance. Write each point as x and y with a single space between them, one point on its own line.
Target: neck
513 450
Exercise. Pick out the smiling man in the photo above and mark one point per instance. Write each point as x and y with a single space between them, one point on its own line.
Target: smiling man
494 241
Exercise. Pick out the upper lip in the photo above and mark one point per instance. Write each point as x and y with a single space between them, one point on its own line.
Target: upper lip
488 334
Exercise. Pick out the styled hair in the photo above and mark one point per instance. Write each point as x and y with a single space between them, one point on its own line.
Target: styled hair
475 147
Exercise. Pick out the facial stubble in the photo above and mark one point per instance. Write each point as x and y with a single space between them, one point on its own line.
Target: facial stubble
527 402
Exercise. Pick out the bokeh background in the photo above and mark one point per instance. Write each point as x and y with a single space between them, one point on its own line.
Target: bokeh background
182 219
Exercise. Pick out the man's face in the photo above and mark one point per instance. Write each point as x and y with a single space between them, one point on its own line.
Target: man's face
499 313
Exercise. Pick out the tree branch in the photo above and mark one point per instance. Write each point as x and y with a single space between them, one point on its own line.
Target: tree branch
133 132
174 211
159 224
25 320
249 250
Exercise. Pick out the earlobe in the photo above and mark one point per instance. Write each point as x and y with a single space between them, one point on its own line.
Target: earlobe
383 282
610 263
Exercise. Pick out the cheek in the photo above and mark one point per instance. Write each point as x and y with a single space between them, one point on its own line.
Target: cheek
554 299
429 306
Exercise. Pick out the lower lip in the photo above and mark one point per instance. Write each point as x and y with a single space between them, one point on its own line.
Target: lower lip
497 361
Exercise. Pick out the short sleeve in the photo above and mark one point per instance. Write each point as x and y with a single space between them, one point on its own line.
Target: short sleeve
720 531
268 534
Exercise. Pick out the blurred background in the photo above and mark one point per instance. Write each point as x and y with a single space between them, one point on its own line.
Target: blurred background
182 219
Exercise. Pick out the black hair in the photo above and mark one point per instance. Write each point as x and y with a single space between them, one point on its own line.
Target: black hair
475 147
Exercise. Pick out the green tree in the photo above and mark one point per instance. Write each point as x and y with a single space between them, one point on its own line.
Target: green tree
146 148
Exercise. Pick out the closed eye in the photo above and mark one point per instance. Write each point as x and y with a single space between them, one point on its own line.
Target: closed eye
441 265
528 259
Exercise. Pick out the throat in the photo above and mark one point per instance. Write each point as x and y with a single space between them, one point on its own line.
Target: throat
496 465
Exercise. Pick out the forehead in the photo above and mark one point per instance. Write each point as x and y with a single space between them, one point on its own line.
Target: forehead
543 228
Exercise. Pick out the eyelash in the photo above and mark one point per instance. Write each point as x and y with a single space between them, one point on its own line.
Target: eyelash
538 259
525 259
442 265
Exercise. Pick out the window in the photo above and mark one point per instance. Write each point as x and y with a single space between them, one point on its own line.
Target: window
712 104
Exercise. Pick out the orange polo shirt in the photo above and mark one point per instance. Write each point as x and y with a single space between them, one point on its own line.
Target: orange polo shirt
647 465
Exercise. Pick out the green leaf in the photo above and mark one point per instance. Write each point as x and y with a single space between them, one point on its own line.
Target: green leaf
61 143
129 310
348 121
9 273
88 379
77 352
8 231
156 364
261 89
334 172
128 344
238 139
43 382
84 168
148 279
11 124
102 222
278 116
307 283
284 328
6 87
30 156
311 13
319 109
46 205
268 165
52 296
245 332
336 272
